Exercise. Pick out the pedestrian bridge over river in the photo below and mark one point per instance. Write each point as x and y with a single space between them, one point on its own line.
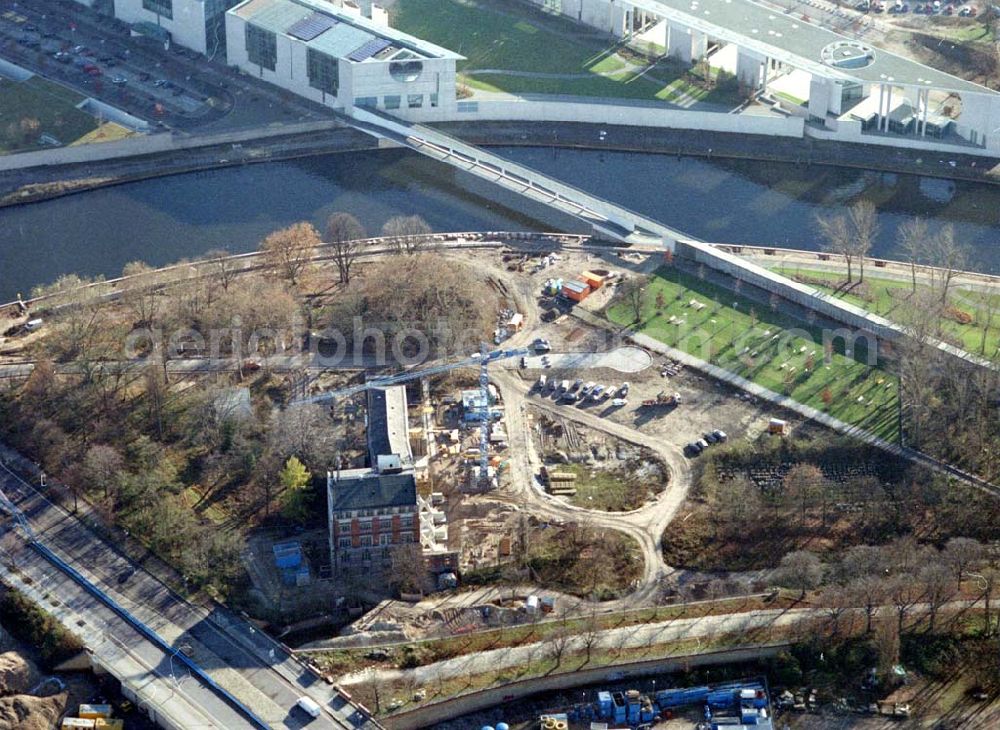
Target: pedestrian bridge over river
607 220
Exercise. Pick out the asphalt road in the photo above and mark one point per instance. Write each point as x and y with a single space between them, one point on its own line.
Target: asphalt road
257 671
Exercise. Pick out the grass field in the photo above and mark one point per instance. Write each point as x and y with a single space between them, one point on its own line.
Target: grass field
767 347
511 38
35 107
888 296
611 490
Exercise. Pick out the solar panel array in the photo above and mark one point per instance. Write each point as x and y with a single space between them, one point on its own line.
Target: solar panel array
311 26
369 49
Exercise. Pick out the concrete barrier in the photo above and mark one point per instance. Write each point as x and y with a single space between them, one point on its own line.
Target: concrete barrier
597 111
473 702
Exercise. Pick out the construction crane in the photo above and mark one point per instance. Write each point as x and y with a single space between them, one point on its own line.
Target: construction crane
482 359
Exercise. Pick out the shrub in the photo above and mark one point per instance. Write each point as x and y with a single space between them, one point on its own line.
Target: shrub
32 625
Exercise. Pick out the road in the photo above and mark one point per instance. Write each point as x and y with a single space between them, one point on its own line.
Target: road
163 683
253 668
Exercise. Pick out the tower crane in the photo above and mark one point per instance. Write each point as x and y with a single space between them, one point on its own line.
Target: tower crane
481 359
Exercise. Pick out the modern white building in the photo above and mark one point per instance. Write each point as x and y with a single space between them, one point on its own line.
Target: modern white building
195 24
840 72
333 55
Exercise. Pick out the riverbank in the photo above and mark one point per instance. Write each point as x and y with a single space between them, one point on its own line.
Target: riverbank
36 184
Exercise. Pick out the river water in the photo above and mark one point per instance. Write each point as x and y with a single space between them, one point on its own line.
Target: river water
165 219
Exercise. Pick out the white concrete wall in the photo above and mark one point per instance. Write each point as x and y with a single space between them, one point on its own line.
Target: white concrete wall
749 68
850 131
365 79
186 29
979 120
679 43
601 113
606 15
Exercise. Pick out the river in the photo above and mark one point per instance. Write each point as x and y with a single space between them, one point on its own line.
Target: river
165 219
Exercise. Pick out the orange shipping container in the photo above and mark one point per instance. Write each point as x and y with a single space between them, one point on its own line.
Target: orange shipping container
594 281
576 290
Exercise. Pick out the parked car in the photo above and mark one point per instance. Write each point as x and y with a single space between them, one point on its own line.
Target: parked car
577 384
702 443
720 436
619 402
596 392
542 380
710 437
119 80
569 397
541 345
693 449
623 390
585 391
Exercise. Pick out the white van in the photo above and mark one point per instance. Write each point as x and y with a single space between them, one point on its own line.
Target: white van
309 706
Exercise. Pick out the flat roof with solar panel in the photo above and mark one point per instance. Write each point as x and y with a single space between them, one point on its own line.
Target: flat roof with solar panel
369 49
311 26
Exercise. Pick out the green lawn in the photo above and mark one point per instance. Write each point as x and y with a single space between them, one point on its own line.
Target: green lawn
887 296
511 37
767 347
35 107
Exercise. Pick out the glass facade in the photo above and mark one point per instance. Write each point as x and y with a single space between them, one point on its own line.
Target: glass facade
262 47
323 72
163 8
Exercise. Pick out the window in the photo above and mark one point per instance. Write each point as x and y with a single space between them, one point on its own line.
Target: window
345 542
366 101
415 101
262 47
385 539
366 555
392 102
385 523
468 107
434 99
160 7
345 525
365 526
322 71
366 541
407 521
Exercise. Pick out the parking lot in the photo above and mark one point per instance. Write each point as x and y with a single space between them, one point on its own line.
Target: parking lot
95 55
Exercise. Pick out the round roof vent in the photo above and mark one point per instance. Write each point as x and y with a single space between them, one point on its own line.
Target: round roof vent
848 55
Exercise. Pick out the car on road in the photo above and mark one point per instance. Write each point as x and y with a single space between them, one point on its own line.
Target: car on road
119 80
126 574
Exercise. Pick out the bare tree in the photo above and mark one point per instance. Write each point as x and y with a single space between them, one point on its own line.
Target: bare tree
887 645
409 570
860 561
557 645
343 233
101 465
912 241
590 634
949 256
407 233
869 592
864 230
289 250
139 293
836 601
988 584
223 267
961 553
804 483
633 292
837 234
801 570
939 587
903 592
